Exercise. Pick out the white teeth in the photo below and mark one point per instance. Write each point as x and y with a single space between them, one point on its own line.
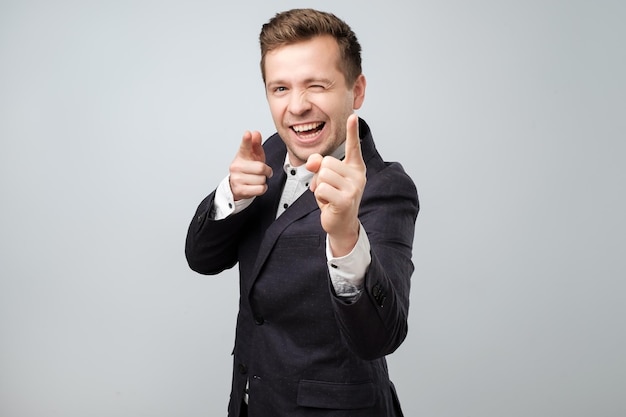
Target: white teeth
306 127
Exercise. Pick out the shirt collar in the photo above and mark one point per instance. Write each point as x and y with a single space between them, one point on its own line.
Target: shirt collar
302 172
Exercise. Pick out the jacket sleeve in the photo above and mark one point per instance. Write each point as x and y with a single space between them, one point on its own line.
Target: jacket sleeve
211 245
376 323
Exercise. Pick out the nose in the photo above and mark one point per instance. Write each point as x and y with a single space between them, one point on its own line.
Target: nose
299 103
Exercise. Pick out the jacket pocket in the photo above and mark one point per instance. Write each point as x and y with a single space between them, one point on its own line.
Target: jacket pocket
298 241
336 395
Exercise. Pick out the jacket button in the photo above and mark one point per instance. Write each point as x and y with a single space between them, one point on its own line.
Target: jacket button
376 290
258 320
381 301
243 369
379 294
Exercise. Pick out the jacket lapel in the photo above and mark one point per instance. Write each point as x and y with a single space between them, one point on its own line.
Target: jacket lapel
304 205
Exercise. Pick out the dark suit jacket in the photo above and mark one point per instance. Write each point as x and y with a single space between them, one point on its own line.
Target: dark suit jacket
304 351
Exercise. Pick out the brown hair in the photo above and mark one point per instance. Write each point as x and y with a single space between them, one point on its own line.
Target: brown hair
303 24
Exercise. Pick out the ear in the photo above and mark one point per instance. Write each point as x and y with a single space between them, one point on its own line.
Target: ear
359 92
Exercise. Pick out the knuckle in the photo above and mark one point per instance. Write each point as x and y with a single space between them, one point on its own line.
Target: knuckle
326 161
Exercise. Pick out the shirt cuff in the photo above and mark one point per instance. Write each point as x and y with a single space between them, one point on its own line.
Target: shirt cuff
347 273
224 203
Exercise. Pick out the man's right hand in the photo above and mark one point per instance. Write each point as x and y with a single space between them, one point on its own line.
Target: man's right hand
248 171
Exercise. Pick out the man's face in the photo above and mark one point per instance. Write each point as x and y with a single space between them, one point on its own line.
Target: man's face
309 98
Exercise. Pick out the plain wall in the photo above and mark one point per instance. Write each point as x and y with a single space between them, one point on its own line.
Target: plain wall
118 117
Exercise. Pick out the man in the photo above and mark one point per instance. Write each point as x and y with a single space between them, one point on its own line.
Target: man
322 230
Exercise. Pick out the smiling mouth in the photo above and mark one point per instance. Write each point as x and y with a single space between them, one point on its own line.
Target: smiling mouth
308 130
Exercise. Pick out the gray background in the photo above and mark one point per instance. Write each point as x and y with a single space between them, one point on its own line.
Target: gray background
117 117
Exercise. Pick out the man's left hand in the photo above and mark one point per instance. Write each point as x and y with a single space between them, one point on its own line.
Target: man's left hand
338 187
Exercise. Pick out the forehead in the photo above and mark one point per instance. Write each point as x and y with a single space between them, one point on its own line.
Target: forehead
317 55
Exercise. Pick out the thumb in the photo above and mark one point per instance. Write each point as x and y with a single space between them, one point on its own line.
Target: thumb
313 164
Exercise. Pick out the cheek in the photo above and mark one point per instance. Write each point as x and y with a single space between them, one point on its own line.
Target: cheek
276 106
340 106
277 114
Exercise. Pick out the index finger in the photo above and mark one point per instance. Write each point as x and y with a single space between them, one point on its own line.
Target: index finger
251 147
353 142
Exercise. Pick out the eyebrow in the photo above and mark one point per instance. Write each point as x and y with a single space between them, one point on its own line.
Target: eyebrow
318 80
325 81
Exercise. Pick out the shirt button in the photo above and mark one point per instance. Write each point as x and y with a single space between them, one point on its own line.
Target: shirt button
285 205
293 172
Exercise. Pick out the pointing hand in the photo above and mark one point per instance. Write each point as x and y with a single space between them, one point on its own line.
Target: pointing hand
248 171
338 187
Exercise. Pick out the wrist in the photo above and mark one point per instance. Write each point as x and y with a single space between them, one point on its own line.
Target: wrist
341 244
